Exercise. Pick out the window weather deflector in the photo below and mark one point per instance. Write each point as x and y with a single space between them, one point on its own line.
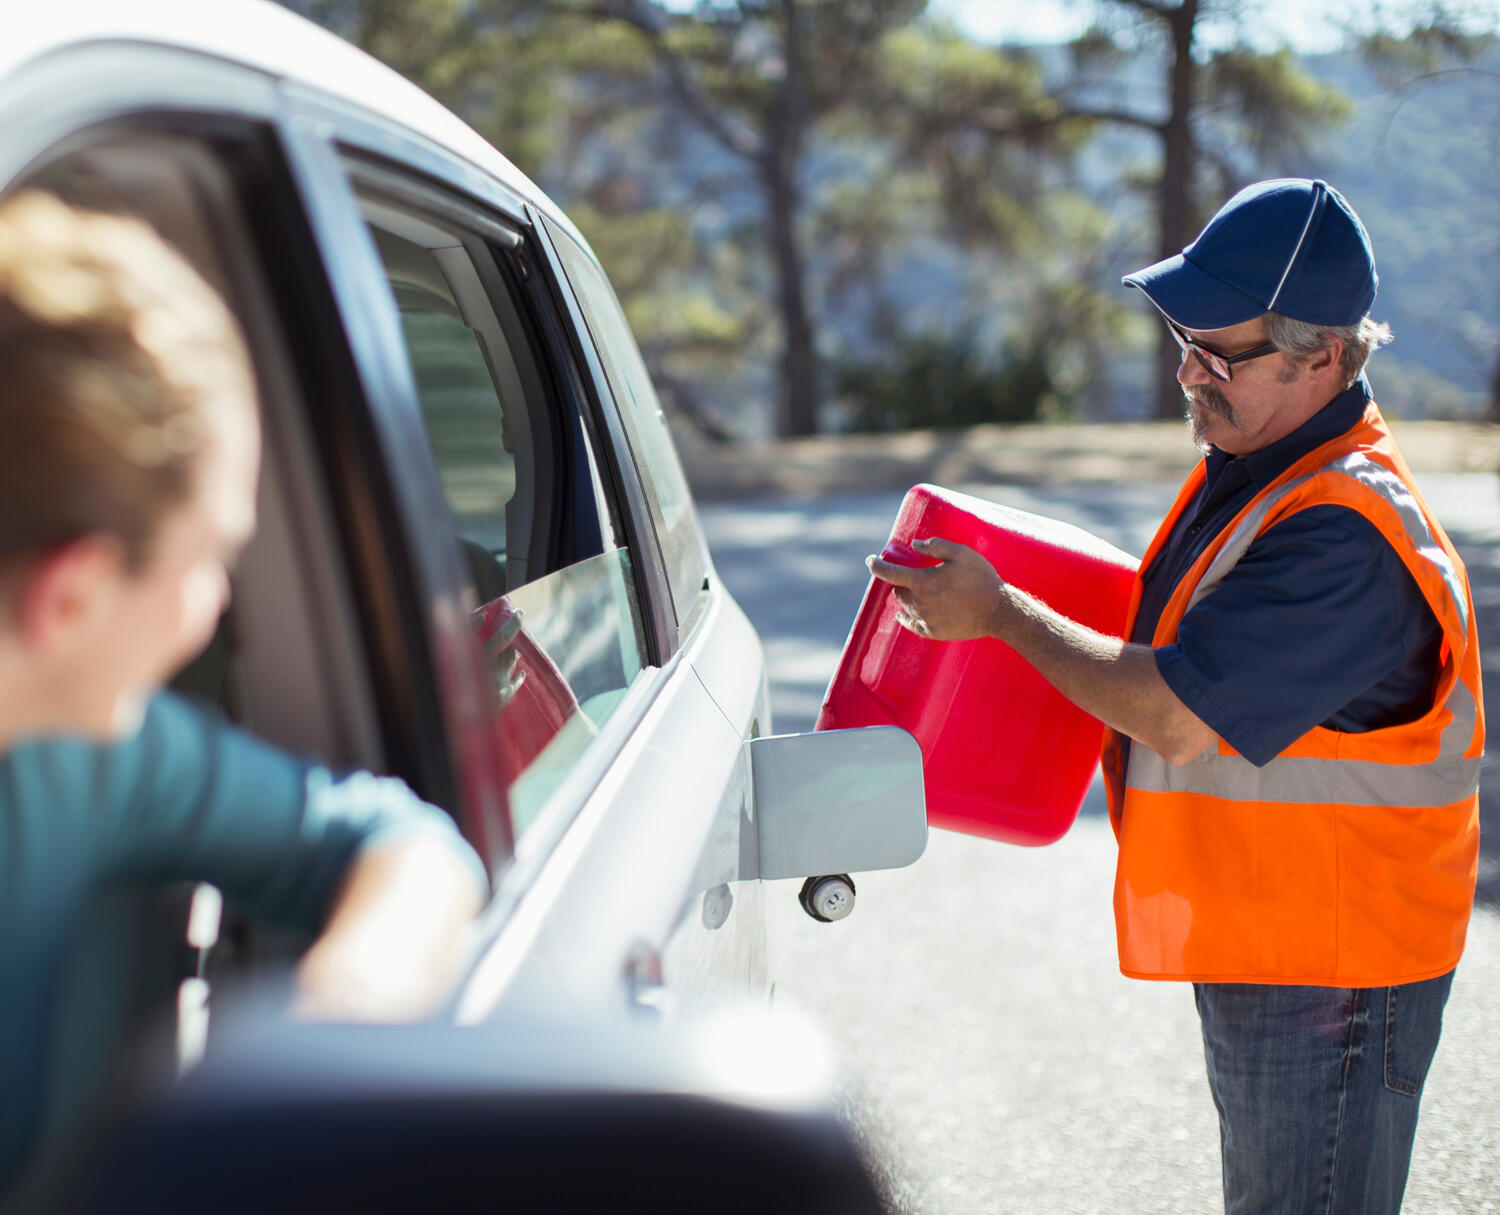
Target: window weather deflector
402 188
380 140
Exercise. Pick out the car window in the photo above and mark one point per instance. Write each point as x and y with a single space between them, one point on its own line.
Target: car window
556 611
656 460
474 456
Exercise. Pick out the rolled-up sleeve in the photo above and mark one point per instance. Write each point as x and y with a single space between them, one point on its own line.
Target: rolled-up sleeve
1318 612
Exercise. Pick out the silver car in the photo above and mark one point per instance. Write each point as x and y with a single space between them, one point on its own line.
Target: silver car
479 565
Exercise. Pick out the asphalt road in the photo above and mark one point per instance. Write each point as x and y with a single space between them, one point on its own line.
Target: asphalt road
997 1060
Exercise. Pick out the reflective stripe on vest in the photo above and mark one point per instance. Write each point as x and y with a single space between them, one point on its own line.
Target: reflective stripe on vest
1348 860
1367 472
1302 779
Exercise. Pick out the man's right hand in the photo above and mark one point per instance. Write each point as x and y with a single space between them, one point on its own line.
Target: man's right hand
957 600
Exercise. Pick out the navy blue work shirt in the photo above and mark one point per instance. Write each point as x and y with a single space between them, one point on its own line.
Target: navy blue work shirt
1319 623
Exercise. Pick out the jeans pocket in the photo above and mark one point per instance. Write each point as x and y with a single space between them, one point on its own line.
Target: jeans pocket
1413 1023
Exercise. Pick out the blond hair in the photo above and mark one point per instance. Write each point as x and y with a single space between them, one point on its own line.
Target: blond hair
113 354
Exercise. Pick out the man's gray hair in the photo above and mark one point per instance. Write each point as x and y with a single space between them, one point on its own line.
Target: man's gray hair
1299 340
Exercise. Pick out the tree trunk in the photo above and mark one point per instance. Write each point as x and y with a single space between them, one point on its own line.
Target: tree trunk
800 387
1178 163
1494 410
800 370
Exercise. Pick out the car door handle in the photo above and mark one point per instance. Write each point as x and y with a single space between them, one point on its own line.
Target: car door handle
646 987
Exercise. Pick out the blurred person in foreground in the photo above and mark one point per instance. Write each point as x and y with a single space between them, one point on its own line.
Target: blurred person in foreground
127 486
1295 715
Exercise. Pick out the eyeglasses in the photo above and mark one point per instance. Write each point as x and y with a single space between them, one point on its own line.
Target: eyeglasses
1220 366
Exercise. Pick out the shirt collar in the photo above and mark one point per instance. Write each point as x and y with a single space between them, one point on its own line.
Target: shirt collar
1264 466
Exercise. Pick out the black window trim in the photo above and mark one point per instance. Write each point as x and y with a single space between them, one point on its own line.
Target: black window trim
378 140
621 483
685 625
499 253
369 137
480 236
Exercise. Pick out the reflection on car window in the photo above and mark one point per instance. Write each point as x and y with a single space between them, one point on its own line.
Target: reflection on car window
656 457
564 644
581 616
473 454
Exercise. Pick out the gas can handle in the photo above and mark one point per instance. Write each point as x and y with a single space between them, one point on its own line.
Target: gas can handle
898 552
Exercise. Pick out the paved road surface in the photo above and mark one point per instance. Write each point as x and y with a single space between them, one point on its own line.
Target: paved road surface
998 1061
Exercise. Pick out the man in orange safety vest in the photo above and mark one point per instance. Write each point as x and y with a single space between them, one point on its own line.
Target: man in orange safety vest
1295 713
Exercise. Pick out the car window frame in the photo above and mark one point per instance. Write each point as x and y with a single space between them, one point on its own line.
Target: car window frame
486 243
351 129
557 386
331 128
684 624
394 507
620 454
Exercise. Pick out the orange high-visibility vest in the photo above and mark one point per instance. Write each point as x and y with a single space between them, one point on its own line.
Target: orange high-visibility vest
1349 860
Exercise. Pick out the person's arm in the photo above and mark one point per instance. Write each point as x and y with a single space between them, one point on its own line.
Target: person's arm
384 880
1319 622
1115 681
398 936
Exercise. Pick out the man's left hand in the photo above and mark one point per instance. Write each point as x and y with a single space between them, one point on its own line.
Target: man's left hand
958 600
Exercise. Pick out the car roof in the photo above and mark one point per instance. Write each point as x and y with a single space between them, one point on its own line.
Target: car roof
267 38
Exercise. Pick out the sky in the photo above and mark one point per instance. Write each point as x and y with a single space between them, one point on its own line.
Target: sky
1306 25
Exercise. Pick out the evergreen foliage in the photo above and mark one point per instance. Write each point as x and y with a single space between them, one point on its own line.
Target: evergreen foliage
845 212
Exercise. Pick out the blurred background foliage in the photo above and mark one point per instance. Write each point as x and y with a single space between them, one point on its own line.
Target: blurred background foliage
848 214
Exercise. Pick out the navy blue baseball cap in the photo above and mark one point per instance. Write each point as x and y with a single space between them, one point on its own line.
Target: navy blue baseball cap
1289 245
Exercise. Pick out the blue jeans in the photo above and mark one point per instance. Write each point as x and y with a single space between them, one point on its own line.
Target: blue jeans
1317 1090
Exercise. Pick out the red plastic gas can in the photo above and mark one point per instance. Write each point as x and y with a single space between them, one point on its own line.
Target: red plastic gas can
1005 754
536 701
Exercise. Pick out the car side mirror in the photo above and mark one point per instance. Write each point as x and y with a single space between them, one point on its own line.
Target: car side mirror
834 802
733 1114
